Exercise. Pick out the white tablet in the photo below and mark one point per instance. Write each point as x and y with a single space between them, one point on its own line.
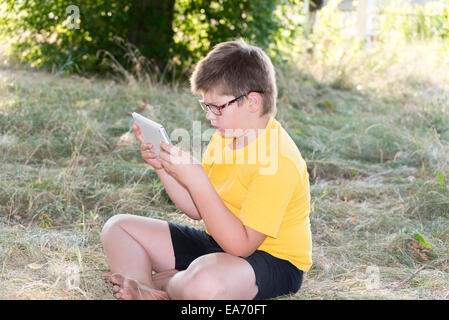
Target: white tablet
152 132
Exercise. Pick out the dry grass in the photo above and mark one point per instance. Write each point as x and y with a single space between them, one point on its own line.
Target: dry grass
375 138
50 264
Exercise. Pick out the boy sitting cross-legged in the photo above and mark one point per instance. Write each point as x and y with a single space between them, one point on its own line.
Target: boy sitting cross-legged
251 190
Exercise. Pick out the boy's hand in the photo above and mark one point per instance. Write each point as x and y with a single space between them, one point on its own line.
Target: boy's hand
147 155
181 165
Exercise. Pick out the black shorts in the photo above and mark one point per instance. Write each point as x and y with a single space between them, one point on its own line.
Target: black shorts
274 277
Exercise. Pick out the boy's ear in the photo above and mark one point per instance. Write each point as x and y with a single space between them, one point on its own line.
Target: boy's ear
255 101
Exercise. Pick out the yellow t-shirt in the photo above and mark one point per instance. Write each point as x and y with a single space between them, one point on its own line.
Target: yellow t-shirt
266 185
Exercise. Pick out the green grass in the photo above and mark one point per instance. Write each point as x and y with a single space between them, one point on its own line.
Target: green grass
375 138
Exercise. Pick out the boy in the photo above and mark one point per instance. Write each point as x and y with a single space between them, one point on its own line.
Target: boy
251 190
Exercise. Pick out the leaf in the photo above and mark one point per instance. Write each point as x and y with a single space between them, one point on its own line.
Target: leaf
421 240
299 131
440 176
324 193
35 266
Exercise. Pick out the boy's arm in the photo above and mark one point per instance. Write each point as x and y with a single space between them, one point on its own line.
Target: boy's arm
178 194
226 229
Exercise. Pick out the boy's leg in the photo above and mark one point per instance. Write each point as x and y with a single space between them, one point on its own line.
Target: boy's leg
136 245
214 276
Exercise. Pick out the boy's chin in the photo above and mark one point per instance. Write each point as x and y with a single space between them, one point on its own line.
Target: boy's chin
226 134
223 135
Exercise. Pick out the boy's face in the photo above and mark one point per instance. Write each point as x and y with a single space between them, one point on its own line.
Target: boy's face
234 118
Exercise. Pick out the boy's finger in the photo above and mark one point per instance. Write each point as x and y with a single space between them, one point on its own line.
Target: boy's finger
150 155
164 155
165 146
146 146
138 133
165 164
136 128
107 276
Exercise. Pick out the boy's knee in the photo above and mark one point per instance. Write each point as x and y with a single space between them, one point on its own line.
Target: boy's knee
111 224
199 285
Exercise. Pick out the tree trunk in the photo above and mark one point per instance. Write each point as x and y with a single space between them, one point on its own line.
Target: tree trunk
315 5
150 29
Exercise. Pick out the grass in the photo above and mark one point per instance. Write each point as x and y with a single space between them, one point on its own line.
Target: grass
373 129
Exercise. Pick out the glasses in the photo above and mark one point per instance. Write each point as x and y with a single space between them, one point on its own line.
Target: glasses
217 109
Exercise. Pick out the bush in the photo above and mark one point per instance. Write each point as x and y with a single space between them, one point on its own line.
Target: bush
170 34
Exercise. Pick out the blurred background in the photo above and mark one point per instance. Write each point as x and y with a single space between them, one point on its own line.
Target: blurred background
166 37
363 92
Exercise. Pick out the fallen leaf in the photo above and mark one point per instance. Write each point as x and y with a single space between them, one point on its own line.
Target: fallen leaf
354 219
56 282
397 155
35 266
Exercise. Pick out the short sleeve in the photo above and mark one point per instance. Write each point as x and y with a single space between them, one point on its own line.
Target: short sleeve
268 197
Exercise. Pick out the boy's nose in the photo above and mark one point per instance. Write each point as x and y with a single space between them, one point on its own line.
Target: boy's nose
210 115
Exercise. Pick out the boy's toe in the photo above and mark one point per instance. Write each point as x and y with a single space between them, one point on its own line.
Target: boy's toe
130 283
117 278
127 295
107 275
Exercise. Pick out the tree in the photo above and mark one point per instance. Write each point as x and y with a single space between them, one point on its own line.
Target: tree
169 32
150 29
200 24
314 6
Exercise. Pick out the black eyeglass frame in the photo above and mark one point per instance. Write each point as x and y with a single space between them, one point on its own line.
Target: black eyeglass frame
217 109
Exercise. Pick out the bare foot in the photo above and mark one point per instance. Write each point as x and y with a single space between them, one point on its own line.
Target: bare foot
161 279
129 289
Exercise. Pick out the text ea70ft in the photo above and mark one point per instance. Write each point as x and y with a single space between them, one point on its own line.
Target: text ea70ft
245 309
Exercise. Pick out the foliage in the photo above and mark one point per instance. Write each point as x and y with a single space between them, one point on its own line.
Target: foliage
405 22
337 50
199 25
43 34
150 36
167 33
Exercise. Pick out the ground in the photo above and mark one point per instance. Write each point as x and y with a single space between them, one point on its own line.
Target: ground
374 133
